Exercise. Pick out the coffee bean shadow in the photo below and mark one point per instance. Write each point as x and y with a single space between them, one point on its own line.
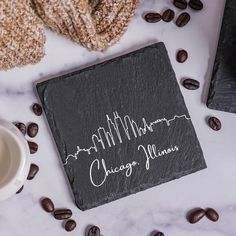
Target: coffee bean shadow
154 232
63 223
87 229
182 80
190 212
207 118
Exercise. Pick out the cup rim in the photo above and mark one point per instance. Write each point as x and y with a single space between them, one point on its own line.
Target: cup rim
18 178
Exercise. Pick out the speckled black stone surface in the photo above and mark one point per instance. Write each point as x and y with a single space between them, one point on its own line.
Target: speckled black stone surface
222 94
123 112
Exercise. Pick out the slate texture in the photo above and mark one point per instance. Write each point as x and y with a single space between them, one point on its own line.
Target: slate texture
121 126
222 93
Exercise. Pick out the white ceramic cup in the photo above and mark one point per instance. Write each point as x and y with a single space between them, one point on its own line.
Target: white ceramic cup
14 159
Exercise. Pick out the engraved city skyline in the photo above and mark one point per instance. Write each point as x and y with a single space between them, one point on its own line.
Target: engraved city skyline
117 126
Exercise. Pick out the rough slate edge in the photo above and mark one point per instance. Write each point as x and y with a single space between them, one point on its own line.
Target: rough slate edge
220 97
41 86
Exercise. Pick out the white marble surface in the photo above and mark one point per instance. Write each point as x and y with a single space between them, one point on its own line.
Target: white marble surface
162 207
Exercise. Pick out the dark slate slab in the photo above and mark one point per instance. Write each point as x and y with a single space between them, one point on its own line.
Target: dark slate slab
222 94
121 126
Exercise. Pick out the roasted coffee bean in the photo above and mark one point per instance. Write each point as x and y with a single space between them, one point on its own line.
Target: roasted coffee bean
196 215
62 214
183 19
70 225
47 204
152 17
159 234
33 171
196 5
191 84
32 130
181 56
212 215
21 127
94 231
20 190
181 4
37 109
214 123
33 147
168 15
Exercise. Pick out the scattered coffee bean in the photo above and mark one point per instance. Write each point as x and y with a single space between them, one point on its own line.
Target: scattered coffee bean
33 147
21 127
159 234
214 123
62 214
196 215
152 17
94 231
33 171
47 204
32 130
37 109
168 15
181 4
196 5
181 56
20 190
183 19
191 84
212 215
70 225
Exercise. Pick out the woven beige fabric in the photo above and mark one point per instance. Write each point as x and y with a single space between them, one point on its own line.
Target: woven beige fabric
21 34
115 21
96 24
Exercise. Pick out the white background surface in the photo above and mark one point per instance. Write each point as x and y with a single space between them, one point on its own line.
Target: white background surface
160 208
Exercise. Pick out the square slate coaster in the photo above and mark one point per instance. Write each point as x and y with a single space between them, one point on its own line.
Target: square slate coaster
121 126
222 93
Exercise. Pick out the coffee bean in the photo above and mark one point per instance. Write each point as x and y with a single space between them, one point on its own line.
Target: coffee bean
183 19
191 84
21 127
159 234
196 215
181 56
152 17
47 204
33 147
94 231
212 215
181 4
196 5
37 109
32 130
214 123
33 171
168 15
62 214
70 225
20 190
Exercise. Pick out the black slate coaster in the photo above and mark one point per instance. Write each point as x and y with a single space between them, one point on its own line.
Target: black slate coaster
121 126
222 94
